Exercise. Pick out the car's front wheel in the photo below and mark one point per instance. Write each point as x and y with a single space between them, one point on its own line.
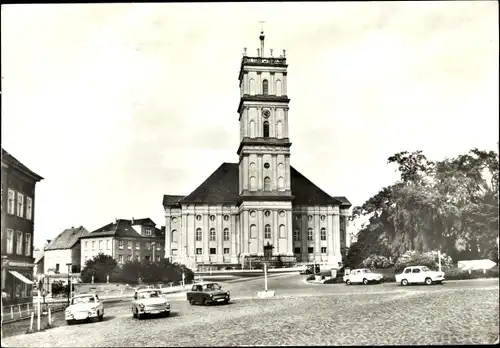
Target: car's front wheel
428 281
203 301
404 282
226 301
365 281
348 282
191 301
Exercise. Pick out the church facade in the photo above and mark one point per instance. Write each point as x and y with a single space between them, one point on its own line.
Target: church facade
261 207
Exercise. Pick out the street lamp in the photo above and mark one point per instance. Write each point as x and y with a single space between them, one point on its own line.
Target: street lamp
69 282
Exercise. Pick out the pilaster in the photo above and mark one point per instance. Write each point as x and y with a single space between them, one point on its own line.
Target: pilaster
305 242
289 233
260 229
275 232
219 234
317 231
205 235
234 232
168 234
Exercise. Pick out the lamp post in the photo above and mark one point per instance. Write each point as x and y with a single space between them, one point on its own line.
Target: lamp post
153 244
69 282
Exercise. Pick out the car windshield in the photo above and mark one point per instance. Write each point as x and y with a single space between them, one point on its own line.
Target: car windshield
425 269
366 271
83 299
148 294
211 287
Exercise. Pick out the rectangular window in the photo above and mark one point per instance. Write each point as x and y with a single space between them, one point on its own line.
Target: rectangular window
20 204
323 234
174 252
129 244
120 258
108 244
11 202
323 250
120 244
100 245
198 251
29 208
27 244
10 241
129 258
137 245
296 235
226 250
213 251
296 250
19 243
57 268
93 245
157 258
226 234
310 250
148 232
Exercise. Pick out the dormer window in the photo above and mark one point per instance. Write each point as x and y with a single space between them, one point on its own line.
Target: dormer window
148 231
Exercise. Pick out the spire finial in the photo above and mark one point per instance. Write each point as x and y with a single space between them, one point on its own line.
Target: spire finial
262 37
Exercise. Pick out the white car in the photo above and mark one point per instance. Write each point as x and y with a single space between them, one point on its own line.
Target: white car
84 307
419 275
362 275
149 301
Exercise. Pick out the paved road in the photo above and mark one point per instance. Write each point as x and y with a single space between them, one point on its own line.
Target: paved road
458 312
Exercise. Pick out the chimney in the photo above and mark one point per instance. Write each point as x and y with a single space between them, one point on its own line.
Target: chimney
116 220
132 220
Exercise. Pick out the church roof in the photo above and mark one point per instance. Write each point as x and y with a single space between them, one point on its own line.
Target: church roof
222 187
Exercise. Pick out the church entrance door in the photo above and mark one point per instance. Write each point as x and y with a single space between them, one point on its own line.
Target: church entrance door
268 251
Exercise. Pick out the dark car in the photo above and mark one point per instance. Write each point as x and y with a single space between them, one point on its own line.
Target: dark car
207 293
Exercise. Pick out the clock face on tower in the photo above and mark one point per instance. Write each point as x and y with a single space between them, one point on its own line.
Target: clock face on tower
266 113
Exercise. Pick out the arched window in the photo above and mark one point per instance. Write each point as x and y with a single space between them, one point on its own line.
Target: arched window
251 132
226 234
267 184
198 234
267 232
281 183
212 234
265 87
279 130
266 129
282 231
323 233
251 85
253 183
253 231
175 236
309 234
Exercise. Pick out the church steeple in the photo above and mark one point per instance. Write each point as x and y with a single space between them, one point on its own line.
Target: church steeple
264 149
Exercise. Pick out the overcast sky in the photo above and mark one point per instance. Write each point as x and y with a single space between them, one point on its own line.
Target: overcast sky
118 104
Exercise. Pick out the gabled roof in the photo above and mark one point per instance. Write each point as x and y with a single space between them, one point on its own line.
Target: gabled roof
38 255
120 228
67 238
15 163
222 187
143 221
171 200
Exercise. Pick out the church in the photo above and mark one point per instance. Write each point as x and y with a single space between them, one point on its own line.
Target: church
260 208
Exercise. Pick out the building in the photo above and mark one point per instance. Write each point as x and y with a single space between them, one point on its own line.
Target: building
18 211
261 207
38 255
125 240
63 250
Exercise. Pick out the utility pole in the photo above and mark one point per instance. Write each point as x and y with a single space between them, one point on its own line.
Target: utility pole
69 282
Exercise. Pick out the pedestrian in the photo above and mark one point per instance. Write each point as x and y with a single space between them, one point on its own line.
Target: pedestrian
4 294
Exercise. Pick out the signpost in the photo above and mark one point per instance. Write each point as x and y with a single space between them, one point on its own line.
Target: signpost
265 293
265 277
183 277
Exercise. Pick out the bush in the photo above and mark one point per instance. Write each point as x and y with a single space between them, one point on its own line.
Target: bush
457 274
337 280
376 261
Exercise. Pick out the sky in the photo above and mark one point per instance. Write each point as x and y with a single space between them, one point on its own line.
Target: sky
118 104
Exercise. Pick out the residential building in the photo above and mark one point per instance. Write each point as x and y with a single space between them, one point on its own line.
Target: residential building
261 207
17 226
125 240
38 255
63 250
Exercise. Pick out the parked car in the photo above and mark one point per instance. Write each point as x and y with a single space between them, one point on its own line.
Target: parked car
84 307
419 275
207 293
149 301
307 269
362 275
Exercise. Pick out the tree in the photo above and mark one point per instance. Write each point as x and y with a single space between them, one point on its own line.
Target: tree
100 267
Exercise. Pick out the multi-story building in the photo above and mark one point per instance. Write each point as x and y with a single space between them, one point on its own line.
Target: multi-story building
18 211
260 207
125 240
63 250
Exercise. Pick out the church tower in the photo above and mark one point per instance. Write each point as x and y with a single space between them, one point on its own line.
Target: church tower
264 155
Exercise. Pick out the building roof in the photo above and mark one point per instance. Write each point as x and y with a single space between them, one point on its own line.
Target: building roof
15 163
67 238
38 255
171 200
222 186
121 228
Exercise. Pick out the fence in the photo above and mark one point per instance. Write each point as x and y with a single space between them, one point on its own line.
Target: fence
23 311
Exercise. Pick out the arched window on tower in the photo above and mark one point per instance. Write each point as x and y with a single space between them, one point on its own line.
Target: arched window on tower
265 87
267 184
266 129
